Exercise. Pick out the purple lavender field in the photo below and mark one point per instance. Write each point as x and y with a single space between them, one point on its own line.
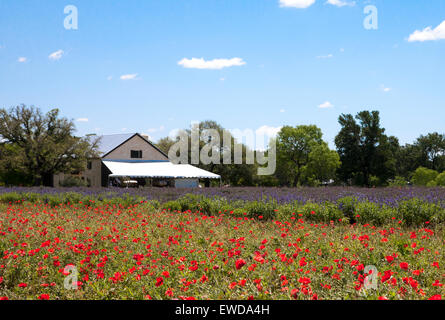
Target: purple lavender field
388 196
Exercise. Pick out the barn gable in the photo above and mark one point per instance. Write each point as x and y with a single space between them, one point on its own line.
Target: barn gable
129 147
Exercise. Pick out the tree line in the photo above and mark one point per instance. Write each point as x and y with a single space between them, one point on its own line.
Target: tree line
34 146
365 156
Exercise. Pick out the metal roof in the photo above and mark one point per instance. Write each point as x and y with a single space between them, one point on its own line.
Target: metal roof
109 142
157 169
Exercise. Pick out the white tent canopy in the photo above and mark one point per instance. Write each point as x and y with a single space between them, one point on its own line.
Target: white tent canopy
157 169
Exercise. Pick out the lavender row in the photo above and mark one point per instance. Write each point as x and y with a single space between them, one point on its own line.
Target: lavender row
388 196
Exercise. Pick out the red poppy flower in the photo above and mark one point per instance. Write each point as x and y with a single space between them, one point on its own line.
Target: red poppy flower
404 265
159 281
240 263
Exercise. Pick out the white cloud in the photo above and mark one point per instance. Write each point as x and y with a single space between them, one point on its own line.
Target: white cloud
299 4
56 55
341 3
129 76
385 89
326 105
22 59
327 56
429 34
215 64
282 110
82 120
268 131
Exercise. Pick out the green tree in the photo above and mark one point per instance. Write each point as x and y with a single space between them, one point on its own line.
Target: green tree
364 149
423 176
408 159
297 147
323 164
165 144
440 179
44 144
234 174
431 151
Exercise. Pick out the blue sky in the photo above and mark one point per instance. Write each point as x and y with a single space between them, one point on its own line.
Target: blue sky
129 66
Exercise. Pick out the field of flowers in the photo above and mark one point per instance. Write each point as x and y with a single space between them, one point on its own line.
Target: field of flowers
388 196
141 251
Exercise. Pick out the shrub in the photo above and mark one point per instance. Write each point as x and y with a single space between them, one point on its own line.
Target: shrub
432 183
73 181
347 206
440 179
417 212
398 182
423 175
372 213
325 212
172 205
254 209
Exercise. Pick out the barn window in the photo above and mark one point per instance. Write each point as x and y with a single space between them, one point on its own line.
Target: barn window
89 165
136 154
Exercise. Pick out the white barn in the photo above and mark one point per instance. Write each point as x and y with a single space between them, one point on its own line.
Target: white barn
132 157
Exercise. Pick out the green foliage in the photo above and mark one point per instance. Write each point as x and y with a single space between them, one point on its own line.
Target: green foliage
322 165
422 176
440 179
431 151
417 212
348 205
325 212
75 198
172 205
73 181
398 181
364 149
374 214
303 157
43 144
256 209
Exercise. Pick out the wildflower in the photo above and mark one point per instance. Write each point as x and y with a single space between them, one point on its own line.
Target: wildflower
159 281
240 263
404 265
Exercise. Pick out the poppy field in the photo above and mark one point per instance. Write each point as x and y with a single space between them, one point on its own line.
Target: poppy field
142 251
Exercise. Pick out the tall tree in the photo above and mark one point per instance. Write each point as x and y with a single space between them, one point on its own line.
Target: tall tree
233 174
294 145
431 149
364 148
165 144
44 143
322 165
